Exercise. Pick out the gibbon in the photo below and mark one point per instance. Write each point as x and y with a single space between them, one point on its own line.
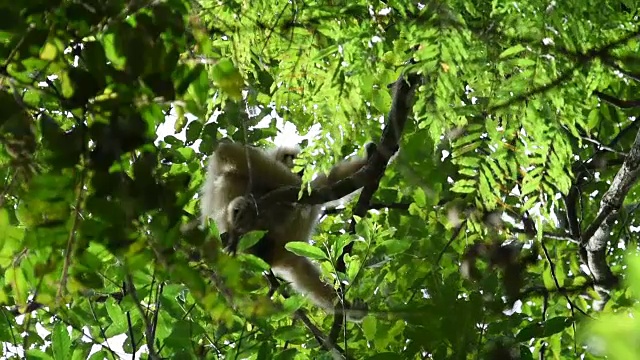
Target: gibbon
232 183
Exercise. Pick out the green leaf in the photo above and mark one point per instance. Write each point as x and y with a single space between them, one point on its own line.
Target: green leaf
228 78
118 319
305 249
419 197
15 278
532 331
556 324
5 227
293 303
37 354
49 52
61 342
288 333
191 76
250 239
464 186
253 262
633 277
100 354
369 327
385 356
545 329
512 51
193 131
396 246
381 100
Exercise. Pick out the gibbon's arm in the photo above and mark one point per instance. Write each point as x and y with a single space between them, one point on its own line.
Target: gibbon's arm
344 169
261 168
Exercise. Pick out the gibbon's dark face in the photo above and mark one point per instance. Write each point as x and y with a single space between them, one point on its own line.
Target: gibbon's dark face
287 155
287 159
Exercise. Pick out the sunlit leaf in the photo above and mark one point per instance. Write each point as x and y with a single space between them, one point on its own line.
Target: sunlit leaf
306 250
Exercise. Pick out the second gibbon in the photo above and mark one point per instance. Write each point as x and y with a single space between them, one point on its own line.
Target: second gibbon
232 183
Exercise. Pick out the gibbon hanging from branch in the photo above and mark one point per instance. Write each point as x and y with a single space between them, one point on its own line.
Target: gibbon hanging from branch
237 176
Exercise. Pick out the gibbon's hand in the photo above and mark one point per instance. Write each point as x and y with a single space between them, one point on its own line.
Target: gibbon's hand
243 214
370 148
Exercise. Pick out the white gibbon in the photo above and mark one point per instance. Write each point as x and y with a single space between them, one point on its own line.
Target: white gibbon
232 183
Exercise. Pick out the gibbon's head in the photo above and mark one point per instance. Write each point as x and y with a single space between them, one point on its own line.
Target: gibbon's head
285 154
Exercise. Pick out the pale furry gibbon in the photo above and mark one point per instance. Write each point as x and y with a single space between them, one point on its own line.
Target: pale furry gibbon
232 183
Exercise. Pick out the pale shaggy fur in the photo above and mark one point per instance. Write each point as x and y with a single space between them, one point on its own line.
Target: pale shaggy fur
231 178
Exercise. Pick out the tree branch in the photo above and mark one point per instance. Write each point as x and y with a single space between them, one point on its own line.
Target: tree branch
374 206
548 235
595 237
388 146
368 177
621 103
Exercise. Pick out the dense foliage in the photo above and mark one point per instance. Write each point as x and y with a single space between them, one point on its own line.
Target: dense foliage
497 232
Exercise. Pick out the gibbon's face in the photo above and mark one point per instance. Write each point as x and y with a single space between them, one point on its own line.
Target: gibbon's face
286 155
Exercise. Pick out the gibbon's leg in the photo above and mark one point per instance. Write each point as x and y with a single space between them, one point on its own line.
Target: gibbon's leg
305 278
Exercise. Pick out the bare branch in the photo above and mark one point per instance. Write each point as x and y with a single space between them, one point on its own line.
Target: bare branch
548 235
34 305
595 237
373 206
623 104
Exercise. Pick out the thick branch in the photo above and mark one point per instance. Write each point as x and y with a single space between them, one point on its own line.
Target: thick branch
369 176
388 146
595 238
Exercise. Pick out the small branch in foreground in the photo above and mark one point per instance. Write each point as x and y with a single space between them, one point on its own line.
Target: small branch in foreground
148 327
548 235
34 305
373 206
325 342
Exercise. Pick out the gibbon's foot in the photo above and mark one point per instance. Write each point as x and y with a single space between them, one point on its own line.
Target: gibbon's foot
357 310
243 214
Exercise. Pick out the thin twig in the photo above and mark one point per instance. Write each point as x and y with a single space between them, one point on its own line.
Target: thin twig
148 328
72 237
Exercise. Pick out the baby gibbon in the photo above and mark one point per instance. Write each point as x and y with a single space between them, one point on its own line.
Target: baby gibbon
232 183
